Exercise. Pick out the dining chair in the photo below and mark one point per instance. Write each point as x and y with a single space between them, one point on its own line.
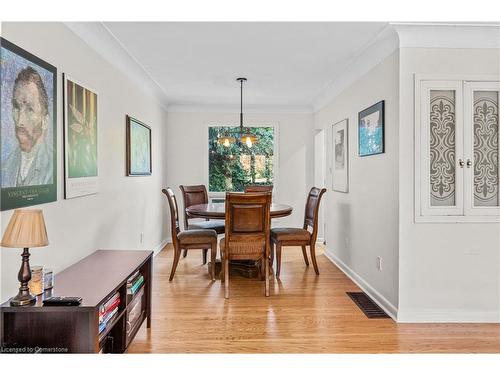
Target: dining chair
300 236
248 223
189 239
258 188
197 194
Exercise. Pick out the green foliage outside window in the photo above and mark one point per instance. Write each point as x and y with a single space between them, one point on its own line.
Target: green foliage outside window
234 167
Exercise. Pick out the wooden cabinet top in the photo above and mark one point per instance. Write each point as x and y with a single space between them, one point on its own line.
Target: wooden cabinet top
93 278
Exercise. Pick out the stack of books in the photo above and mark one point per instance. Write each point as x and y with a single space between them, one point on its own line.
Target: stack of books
134 283
108 310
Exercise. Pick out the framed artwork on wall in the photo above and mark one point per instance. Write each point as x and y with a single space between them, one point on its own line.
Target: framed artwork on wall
340 175
371 130
80 139
138 148
28 149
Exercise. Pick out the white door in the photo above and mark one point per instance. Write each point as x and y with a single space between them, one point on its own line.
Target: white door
319 177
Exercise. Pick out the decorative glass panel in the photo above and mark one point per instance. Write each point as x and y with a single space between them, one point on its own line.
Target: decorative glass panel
442 147
486 148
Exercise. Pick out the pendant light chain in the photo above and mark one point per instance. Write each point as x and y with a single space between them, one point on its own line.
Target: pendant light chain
241 107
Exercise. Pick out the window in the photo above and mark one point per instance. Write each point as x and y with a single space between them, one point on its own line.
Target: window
234 167
457 151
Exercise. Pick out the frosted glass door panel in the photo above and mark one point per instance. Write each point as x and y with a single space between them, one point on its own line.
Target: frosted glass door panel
442 148
485 143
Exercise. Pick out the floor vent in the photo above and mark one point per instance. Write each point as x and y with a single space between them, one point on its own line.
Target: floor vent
366 304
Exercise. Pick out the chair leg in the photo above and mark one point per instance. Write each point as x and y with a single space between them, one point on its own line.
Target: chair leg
221 274
177 255
262 269
278 259
213 255
304 253
272 252
185 253
267 275
226 278
313 257
205 252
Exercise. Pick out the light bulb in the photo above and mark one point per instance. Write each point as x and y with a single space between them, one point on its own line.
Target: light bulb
248 142
226 142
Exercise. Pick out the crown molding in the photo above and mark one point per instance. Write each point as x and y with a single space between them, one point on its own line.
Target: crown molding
394 36
101 40
448 35
365 59
206 108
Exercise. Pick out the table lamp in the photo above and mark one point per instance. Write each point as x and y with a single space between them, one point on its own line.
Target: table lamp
26 229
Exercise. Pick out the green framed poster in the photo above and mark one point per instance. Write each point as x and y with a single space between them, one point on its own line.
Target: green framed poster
80 139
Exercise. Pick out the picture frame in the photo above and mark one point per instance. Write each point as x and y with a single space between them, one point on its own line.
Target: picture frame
371 130
138 148
340 156
28 154
80 130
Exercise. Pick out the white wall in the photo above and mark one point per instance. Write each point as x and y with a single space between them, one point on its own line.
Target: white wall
124 206
363 223
447 272
187 154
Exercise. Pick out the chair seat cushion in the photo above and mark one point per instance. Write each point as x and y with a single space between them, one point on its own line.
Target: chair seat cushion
217 225
243 248
195 236
290 234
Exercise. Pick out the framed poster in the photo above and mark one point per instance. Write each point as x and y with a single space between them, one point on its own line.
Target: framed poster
80 139
138 148
340 175
28 147
371 130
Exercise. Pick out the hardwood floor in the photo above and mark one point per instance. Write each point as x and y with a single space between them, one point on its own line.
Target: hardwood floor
304 314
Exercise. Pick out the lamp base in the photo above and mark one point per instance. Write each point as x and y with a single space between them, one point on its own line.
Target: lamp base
24 296
22 299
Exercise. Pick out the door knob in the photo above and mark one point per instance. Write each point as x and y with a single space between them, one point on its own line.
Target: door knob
469 163
461 163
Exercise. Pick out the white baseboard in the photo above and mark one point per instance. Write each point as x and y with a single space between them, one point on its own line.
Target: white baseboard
388 307
447 316
160 247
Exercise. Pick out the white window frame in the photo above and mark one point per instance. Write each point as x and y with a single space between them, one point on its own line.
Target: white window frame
424 213
250 124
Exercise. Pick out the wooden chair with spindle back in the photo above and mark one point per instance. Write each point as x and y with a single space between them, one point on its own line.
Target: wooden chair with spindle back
248 221
258 188
189 239
300 236
192 195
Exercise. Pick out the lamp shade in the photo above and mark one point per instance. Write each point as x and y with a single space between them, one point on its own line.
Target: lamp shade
26 229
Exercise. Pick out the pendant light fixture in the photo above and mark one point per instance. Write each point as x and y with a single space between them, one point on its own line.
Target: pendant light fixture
245 136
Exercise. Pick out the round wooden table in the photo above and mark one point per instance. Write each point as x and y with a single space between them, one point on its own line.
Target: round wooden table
248 269
218 210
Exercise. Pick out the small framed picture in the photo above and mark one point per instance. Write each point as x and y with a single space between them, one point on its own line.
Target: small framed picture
340 141
371 130
138 148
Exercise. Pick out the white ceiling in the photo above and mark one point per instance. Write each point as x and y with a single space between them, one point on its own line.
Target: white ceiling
288 65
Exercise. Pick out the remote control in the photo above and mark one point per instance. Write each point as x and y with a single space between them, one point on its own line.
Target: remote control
62 301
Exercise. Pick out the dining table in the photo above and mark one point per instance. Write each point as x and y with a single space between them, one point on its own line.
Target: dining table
248 269
218 210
